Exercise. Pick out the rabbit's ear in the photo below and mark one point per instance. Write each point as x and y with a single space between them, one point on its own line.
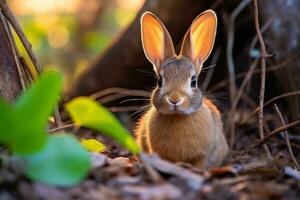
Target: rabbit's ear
156 40
198 42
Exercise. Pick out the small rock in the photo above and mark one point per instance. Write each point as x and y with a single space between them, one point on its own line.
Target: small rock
98 160
120 162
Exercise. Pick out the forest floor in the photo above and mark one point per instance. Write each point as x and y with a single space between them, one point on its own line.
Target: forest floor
246 174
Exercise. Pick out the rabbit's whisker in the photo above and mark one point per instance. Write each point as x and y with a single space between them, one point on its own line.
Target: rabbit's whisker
129 100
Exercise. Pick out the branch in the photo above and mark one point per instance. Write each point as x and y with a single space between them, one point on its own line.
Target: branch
118 90
229 49
286 135
263 76
237 99
276 131
294 93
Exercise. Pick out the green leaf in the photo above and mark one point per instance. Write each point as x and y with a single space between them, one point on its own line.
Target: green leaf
88 113
93 145
63 162
22 128
32 110
38 102
6 121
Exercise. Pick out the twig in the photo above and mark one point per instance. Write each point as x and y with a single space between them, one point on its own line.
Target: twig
276 131
211 70
263 77
112 109
271 101
57 117
61 128
124 108
118 90
111 97
27 69
237 99
286 135
229 49
15 24
263 29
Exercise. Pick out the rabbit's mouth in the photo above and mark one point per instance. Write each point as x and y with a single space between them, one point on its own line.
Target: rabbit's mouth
175 109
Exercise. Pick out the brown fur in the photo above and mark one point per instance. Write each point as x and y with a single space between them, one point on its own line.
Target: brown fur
197 138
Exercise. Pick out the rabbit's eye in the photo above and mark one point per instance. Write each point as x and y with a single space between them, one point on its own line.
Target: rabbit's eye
159 81
194 81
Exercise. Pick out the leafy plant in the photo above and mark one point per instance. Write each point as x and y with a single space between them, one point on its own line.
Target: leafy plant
58 159
52 159
22 125
88 113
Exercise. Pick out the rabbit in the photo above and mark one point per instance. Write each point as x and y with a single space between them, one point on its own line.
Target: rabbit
181 124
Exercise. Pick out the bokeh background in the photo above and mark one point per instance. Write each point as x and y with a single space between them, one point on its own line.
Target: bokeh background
80 28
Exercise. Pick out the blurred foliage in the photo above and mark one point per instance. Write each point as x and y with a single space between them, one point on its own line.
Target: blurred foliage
88 113
68 34
93 145
53 159
22 126
62 162
56 159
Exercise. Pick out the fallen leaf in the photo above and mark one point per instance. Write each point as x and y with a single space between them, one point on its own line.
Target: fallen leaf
93 145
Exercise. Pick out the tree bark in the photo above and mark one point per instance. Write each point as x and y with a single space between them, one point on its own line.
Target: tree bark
10 85
123 63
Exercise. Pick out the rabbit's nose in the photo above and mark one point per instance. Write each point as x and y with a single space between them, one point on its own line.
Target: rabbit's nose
175 98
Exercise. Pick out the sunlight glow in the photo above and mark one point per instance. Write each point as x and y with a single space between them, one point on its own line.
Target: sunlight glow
130 4
44 6
58 36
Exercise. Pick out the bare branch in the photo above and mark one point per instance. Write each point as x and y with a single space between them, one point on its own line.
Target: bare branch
271 101
286 135
263 77
229 49
276 131
118 90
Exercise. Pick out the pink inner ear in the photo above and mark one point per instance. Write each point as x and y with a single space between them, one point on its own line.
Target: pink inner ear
202 36
153 39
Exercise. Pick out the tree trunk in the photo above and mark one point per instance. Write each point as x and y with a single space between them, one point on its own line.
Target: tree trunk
123 64
10 85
